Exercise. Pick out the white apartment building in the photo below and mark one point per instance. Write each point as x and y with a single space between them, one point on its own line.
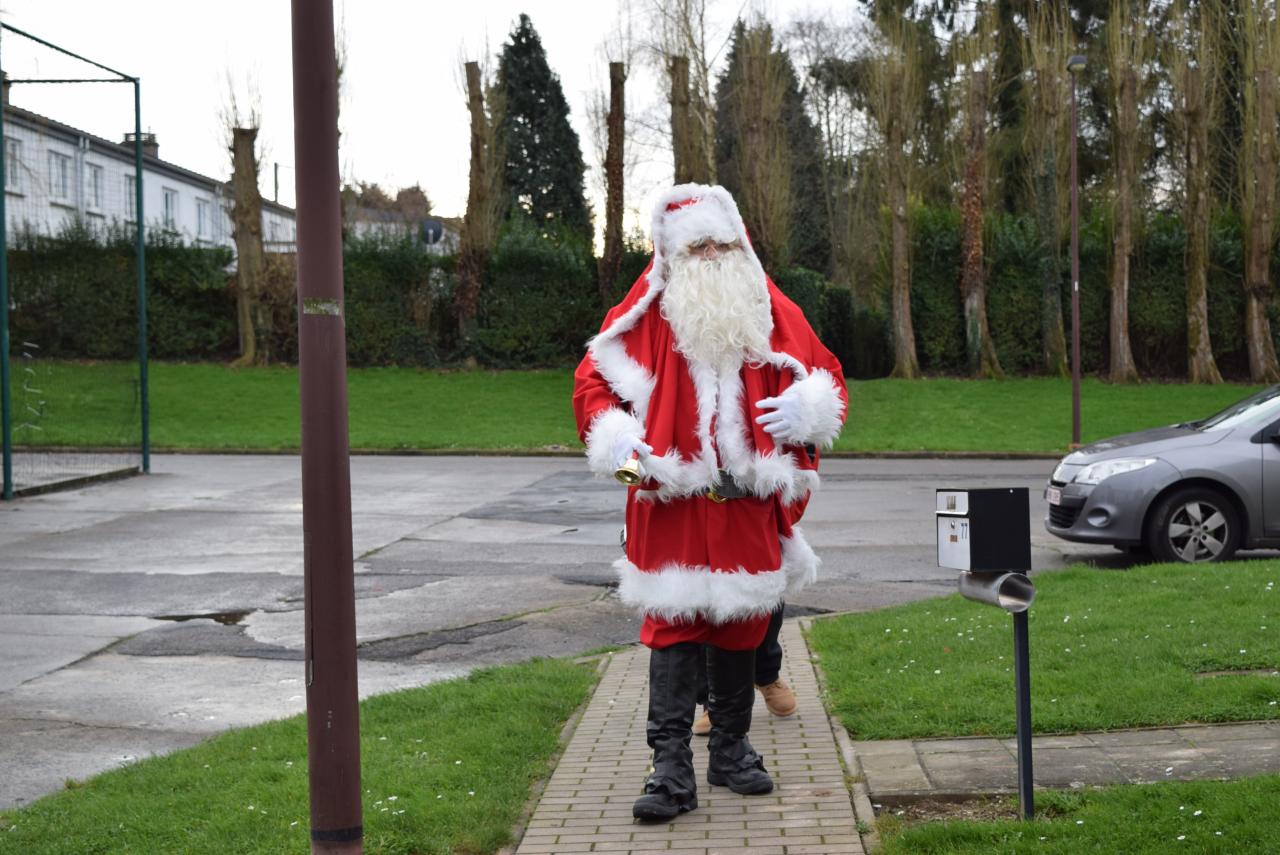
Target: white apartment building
56 174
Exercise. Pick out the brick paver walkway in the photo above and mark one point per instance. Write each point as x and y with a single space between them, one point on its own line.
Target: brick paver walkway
587 804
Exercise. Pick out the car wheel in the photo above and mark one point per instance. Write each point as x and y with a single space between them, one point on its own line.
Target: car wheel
1194 525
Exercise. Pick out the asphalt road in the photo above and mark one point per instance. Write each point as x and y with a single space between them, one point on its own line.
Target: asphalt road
143 615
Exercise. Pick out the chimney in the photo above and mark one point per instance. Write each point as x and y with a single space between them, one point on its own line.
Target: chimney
150 147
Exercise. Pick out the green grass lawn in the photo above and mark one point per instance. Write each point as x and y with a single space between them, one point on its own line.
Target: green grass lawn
1225 818
1021 414
446 769
1109 649
208 405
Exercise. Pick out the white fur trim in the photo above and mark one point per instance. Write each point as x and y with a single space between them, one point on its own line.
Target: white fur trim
762 474
605 430
801 562
821 410
677 592
789 362
715 215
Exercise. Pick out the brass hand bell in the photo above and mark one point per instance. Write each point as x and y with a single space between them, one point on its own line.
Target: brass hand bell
629 473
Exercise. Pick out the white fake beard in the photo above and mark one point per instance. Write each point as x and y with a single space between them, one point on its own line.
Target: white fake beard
718 309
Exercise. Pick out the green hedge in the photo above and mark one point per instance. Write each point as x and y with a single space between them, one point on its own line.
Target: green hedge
399 303
1157 294
74 297
540 303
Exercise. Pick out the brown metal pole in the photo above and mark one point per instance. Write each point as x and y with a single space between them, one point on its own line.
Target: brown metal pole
333 711
1075 276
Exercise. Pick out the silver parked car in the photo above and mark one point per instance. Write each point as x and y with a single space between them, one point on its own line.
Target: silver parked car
1191 492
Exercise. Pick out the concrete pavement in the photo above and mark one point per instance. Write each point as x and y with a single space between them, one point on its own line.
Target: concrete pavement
141 615
904 771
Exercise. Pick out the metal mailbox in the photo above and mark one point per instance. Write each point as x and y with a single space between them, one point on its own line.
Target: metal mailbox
986 535
985 530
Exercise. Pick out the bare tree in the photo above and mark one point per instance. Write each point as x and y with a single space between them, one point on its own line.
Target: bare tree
825 51
1048 44
678 28
757 98
252 314
683 155
895 83
1259 155
976 55
611 259
837 65
1193 63
1129 50
484 198
612 123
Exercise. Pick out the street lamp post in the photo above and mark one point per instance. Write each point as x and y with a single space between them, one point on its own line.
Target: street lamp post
1075 65
329 620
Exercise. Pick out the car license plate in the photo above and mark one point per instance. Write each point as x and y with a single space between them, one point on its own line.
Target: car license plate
1054 495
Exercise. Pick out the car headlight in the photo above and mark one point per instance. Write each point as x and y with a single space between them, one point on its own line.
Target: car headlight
1096 473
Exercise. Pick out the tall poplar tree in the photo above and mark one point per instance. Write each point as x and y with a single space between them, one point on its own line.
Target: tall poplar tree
768 152
544 167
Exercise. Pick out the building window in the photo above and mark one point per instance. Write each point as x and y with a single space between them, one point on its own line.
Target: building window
273 229
170 208
130 198
202 218
59 176
12 163
93 186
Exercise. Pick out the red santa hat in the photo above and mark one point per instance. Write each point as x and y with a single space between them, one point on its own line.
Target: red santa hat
688 213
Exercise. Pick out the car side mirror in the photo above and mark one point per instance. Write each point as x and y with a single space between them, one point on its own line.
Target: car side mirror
1270 433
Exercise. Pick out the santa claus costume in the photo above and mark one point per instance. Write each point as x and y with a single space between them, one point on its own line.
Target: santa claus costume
717 383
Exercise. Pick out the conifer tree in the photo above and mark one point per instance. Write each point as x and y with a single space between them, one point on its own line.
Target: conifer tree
544 167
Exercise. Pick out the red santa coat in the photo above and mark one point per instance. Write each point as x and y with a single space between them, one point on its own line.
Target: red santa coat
696 569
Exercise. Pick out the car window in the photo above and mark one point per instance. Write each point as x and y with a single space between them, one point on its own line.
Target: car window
1264 405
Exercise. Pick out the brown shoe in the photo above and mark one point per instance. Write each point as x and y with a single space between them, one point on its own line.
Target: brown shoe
778 697
702 726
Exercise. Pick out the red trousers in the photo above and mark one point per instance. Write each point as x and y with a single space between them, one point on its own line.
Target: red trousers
746 634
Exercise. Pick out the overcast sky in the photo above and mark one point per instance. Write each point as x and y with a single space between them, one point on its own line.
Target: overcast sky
404 118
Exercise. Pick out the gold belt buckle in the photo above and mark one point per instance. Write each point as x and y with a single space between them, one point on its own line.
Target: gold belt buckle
715 497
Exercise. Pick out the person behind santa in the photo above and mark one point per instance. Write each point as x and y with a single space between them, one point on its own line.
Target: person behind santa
713 381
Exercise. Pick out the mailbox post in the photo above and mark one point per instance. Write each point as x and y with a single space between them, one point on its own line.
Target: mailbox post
986 535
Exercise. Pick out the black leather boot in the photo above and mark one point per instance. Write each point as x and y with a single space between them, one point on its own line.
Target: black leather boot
734 763
672 787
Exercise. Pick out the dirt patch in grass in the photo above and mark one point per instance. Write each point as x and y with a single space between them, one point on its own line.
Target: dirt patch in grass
930 810
1241 672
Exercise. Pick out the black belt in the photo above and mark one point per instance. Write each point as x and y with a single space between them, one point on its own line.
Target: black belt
727 489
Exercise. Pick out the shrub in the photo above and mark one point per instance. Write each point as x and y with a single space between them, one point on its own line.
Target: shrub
540 303
74 295
399 302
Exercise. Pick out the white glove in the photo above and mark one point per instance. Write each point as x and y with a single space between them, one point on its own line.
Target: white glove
785 416
627 444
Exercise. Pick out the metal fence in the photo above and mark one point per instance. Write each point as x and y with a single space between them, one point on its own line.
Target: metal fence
45 403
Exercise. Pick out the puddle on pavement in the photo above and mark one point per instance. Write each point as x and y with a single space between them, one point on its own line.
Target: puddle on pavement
224 618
